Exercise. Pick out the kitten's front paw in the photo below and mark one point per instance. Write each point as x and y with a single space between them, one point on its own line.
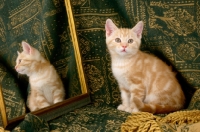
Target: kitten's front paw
134 110
131 110
57 101
128 109
121 107
33 108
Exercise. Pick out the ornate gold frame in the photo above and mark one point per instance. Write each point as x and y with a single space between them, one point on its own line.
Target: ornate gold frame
58 109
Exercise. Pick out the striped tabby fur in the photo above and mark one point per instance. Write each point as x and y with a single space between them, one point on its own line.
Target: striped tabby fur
46 85
146 83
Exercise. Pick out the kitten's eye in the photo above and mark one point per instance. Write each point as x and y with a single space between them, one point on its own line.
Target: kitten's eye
130 41
19 60
118 40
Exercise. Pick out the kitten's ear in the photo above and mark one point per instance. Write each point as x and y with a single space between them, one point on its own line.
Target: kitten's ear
26 47
18 52
110 27
138 29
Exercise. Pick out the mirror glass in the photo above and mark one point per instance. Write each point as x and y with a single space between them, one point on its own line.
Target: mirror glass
49 27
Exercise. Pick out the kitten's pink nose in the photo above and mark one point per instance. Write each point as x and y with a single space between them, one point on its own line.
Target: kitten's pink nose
124 46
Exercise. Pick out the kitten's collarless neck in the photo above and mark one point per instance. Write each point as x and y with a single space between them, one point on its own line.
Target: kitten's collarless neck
38 67
123 61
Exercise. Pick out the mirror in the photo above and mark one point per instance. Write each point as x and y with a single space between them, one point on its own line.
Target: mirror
72 73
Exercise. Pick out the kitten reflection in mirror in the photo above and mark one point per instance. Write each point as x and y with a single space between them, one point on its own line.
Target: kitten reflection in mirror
46 87
146 83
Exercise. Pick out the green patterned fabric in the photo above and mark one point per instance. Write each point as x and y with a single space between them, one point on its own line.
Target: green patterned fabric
171 32
180 128
32 123
195 101
13 98
90 119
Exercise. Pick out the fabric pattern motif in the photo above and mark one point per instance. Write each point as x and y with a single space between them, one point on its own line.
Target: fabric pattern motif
90 119
195 101
32 123
13 97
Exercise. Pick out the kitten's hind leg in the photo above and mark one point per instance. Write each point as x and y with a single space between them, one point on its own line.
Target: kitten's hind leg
125 97
136 100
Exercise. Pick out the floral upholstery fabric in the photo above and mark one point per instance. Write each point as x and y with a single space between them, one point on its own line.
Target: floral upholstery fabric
90 119
32 123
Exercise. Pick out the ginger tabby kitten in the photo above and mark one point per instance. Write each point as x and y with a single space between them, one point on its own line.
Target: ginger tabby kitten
45 84
146 83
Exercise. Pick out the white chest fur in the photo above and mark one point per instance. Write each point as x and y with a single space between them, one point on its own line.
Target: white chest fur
120 71
41 83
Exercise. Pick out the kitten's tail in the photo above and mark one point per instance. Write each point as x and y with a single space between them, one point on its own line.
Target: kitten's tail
159 109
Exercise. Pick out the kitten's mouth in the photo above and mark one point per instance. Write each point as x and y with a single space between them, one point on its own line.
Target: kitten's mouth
20 71
124 50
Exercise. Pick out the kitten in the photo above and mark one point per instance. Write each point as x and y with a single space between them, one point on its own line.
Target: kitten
146 83
45 84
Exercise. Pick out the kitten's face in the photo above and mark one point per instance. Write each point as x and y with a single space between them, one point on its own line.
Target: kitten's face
26 58
22 63
124 42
